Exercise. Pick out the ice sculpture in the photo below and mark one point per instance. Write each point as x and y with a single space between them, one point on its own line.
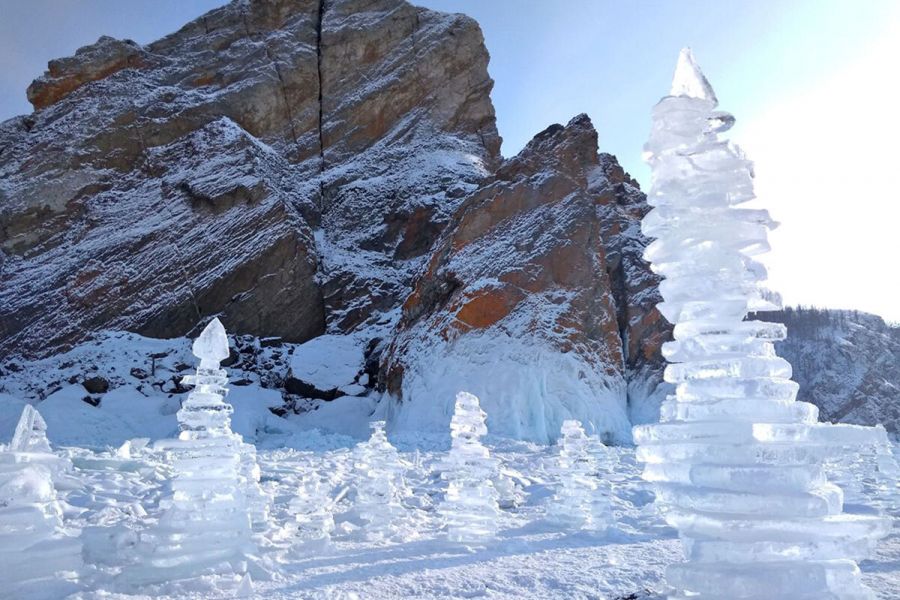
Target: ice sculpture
38 559
579 503
380 484
206 525
313 513
736 460
31 443
470 508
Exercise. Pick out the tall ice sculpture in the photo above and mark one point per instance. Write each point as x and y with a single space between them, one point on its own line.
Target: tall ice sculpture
205 528
737 462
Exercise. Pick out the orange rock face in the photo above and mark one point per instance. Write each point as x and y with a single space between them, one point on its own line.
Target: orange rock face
548 251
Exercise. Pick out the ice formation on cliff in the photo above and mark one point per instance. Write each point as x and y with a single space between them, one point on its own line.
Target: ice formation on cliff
380 484
38 559
736 460
579 503
206 525
470 508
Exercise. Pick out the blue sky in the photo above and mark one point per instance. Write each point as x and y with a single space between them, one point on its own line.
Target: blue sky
810 82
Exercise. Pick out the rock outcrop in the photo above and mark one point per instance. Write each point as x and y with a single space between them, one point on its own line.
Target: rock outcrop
536 298
285 164
310 167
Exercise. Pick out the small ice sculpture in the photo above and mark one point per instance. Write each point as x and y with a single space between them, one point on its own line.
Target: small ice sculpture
313 513
31 444
470 507
736 460
31 433
206 525
38 559
380 484
579 503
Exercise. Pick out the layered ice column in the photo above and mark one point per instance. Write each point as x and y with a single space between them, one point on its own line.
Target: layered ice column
737 461
579 503
470 508
206 525
38 558
380 484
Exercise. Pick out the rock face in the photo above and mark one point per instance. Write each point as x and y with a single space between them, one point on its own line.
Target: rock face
303 167
284 164
535 298
846 362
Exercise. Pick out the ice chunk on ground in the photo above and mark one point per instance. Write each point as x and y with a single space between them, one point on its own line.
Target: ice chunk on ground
38 558
205 528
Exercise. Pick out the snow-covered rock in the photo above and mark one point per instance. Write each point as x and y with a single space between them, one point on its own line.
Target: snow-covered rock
846 362
536 300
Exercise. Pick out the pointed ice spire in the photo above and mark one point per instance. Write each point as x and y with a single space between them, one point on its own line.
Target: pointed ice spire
212 344
689 79
31 432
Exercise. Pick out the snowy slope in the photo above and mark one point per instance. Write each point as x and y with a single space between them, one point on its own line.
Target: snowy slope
846 362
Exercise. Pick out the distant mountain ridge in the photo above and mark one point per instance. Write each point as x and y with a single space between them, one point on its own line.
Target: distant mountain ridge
846 362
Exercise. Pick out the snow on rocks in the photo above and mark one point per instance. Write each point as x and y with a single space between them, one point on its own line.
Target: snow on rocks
206 526
737 462
470 507
578 503
380 485
38 557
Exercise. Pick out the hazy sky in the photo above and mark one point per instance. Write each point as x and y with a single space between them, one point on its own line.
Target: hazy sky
813 84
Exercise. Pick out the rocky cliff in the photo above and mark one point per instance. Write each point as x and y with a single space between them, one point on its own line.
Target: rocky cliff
283 163
329 170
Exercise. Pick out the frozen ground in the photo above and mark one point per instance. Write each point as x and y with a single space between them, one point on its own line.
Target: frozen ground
529 560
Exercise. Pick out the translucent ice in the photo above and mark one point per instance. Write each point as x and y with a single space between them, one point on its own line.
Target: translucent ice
738 463
470 508
31 432
579 503
380 485
38 559
206 526
312 510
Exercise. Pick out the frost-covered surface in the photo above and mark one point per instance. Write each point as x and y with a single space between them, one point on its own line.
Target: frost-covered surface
738 464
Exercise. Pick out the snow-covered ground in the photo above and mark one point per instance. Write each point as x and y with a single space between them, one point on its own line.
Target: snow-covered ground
121 487
120 491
